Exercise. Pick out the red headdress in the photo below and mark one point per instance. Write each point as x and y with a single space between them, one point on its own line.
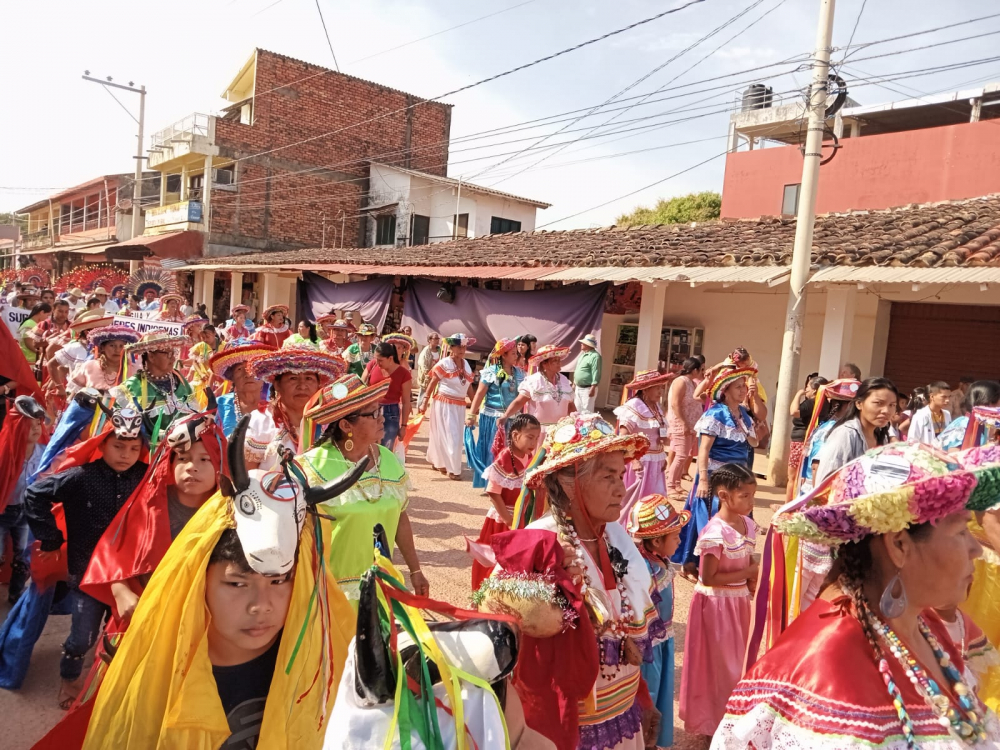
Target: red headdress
13 438
139 537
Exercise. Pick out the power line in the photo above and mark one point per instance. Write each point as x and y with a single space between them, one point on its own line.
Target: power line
856 22
112 95
934 30
327 34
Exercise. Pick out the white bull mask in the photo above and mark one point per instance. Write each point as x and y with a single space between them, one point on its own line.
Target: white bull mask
270 506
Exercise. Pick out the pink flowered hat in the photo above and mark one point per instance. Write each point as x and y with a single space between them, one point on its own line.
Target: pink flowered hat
887 490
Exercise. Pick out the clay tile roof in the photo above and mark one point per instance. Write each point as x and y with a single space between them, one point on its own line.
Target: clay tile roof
956 233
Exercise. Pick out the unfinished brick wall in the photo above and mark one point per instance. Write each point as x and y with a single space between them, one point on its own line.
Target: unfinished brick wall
283 195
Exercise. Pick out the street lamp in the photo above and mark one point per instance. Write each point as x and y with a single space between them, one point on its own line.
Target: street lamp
137 185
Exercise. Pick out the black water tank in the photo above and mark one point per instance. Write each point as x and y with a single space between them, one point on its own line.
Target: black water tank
757 96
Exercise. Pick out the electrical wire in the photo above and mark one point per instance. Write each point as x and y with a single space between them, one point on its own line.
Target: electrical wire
327 34
912 34
856 22
112 95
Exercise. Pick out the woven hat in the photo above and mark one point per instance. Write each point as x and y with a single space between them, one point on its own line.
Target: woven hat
889 489
459 339
239 309
726 378
549 351
579 437
100 290
27 293
400 340
984 463
157 341
170 296
89 319
77 292
589 340
326 320
270 364
193 319
653 516
648 379
502 347
105 334
275 308
223 362
342 398
367 329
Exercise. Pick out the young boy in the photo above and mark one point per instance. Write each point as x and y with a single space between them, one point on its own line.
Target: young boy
930 421
91 496
656 527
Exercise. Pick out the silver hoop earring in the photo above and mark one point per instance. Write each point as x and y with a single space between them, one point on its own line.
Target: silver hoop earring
891 604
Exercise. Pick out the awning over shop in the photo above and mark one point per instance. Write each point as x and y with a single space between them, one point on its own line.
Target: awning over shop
906 275
183 245
97 249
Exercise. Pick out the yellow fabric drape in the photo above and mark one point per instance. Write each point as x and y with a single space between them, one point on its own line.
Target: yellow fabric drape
983 606
159 691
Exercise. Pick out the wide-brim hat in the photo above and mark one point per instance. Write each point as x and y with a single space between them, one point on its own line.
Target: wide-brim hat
346 396
726 378
271 364
89 319
100 290
105 334
589 340
367 329
649 379
157 341
327 320
549 351
283 309
165 298
579 437
342 325
77 292
28 293
400 340
653 516
240 309
223 362
194 319
887 490
501 348
459 339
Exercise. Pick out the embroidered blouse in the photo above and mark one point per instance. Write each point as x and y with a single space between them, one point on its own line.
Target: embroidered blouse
452 382
730 444
546 400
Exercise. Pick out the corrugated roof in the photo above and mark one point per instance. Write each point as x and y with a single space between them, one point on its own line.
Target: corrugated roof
906 275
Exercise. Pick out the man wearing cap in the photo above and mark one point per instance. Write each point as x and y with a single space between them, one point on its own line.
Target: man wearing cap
587 375
361 352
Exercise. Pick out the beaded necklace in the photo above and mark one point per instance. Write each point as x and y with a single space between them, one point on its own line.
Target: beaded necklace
965 723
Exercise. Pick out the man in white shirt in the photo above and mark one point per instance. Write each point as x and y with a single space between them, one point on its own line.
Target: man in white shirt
929 422
109 305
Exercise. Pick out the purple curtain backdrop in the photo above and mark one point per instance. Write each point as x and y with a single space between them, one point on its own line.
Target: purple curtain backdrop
371 298
554 316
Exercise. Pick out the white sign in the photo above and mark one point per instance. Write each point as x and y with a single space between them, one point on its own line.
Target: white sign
143 325
13 317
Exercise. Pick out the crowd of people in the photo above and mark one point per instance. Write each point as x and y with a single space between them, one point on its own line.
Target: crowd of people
218 509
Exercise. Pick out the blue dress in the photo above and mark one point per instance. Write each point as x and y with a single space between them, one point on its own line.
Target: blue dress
659 674
226 405
730 447
501 390
952 436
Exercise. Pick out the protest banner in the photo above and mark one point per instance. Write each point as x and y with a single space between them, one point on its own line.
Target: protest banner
143 325
13 317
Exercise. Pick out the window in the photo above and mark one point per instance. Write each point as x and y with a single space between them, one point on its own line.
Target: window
195 183
790 199
173 183
385 230
461 224
420 229
224 177
502 226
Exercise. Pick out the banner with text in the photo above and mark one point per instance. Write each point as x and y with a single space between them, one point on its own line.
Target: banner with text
13 317
145 326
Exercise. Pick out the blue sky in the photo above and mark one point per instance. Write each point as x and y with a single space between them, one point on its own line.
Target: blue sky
58 130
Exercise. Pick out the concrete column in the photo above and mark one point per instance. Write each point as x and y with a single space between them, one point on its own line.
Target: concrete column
163 188
855 128
199 285
206 194
838 125
734 138
838 325
184 183
134 265
290 285
528 285
270 292
235 289
880 341
977 109
647 350
208 290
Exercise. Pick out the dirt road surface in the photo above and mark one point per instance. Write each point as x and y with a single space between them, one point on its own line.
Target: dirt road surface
443 512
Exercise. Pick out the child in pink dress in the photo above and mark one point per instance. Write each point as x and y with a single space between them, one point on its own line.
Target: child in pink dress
719 619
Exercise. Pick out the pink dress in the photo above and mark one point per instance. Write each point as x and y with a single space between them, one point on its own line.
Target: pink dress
635 417
717 629
683 440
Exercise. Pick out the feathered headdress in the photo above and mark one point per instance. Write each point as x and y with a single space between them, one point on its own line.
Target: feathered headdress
89 277
159 280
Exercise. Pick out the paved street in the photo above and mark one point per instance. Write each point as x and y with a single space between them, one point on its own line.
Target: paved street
442 511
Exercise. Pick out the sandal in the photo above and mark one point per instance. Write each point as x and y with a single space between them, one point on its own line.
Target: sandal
69 690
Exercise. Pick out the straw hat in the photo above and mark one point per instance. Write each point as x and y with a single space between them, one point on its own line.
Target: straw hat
271 364
726 378
170 296
400 340
157 341
105 334
193 319
648 379
239 309
77 292
276 308
88 319
502 347
367 329
223 362
547 352
342 398
578 437
100 290
588 340
653 516
327 320
891 488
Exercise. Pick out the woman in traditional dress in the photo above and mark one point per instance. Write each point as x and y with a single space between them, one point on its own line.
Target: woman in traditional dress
294 375
104 371
170 308
275 329
683 412
642 414
498 386
582 687
870 663
238 329
353 416
725 435
336 336
546 393
305 337
362 351
448 387
245 395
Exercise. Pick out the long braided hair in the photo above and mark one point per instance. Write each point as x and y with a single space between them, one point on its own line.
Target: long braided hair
731 477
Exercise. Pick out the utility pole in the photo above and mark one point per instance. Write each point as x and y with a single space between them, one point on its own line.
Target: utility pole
323 244
791 344
137 185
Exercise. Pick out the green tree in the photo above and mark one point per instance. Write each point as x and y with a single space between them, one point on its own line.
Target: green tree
680 210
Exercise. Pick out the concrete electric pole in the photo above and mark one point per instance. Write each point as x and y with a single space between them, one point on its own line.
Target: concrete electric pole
791 344
137 185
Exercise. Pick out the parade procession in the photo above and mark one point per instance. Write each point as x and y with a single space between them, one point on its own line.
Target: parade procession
317 434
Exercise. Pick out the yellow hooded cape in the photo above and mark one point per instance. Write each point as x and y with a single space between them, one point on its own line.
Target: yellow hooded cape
159 691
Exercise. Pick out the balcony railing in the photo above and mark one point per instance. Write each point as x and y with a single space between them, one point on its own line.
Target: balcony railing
192 125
